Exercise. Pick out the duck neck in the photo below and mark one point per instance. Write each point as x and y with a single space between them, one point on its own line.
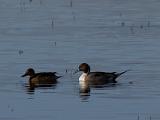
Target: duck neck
32 74
87 71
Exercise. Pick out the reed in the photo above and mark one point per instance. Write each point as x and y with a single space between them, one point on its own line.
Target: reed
52 23
71 3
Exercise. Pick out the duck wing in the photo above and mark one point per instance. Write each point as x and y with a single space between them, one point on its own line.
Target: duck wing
43 78
100 78
44 74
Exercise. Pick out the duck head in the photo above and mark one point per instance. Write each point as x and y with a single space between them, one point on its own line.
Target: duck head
84 67
29 72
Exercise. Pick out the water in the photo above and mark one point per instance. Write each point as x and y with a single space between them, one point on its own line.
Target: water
54 35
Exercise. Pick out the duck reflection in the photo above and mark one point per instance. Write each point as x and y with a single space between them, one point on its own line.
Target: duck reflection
30 88
41 80
84 90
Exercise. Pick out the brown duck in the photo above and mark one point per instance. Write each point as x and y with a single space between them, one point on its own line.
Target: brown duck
42 78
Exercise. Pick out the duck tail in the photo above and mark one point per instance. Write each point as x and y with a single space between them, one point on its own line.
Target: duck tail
58 77
118 74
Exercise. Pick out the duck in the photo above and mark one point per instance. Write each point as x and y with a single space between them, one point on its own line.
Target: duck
96 78
41 79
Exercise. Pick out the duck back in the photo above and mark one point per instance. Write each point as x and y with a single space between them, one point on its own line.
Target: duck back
44 78
101 78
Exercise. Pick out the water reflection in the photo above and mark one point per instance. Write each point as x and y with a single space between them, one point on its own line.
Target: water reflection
85 89
84 92
30 88
84 97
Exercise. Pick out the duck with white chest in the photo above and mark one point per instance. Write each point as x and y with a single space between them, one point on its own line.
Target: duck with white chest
97 78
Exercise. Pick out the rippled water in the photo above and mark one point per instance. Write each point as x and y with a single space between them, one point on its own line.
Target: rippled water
58 35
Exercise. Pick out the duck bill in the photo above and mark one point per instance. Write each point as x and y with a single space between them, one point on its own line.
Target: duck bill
24 75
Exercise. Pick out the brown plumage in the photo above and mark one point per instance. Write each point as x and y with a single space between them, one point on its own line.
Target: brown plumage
42 78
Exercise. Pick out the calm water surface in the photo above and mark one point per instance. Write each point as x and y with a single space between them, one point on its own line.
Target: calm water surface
58 35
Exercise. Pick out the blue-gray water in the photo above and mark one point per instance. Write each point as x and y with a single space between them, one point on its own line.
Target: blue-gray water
58 35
